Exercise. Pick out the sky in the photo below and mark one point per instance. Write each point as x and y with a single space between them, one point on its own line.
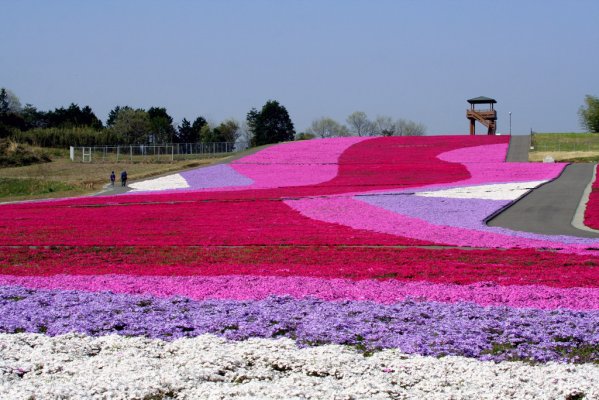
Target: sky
418 60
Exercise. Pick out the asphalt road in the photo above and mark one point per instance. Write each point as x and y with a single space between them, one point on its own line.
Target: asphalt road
110 190
551 208
518 150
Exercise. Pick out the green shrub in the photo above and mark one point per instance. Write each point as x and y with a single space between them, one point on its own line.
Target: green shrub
65 137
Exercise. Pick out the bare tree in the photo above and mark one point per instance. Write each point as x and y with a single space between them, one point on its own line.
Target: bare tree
405 127
245 134
326 127
359 124
9 102
384 126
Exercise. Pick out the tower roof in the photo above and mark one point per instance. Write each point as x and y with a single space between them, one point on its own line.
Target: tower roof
482 100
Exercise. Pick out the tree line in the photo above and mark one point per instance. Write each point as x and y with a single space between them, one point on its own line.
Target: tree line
358 124
79 126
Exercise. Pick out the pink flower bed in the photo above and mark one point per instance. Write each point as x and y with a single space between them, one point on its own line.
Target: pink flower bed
300 163
360 215
486 165
261 287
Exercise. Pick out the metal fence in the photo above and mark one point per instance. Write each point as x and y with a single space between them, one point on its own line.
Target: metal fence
153 153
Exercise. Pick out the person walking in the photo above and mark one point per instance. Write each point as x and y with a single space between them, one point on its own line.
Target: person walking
124 178
112 178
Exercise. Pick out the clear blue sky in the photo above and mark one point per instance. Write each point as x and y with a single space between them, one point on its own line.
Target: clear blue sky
418 60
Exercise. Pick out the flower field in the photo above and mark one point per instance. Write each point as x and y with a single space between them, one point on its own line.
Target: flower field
354 267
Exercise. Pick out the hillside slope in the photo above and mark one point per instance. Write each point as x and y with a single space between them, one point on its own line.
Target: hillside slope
359 266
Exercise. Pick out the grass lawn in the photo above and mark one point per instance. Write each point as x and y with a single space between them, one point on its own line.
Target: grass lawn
14 187
573 147
63 178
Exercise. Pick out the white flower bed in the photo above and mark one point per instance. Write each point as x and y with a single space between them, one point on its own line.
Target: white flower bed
75 366
175 181
499 191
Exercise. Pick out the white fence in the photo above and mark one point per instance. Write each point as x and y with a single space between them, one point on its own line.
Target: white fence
153 153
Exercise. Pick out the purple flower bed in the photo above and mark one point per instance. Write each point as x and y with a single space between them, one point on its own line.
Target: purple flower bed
216 176
460 213
427 328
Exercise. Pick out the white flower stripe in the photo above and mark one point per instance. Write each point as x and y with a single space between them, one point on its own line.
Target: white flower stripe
175 181
34 366
499 191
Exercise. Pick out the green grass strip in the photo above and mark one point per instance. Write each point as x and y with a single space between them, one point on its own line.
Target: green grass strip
31 187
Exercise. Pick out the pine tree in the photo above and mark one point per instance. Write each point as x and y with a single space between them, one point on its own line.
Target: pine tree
272 124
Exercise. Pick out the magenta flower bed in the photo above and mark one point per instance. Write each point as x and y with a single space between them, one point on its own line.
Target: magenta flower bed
443 266
591 213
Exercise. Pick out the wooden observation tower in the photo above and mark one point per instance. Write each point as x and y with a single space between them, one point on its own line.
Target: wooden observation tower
486 116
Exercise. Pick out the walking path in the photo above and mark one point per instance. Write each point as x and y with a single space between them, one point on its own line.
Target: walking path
551 208
110 190
518 151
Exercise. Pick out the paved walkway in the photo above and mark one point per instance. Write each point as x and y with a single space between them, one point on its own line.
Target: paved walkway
551 208
109 190
518 151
